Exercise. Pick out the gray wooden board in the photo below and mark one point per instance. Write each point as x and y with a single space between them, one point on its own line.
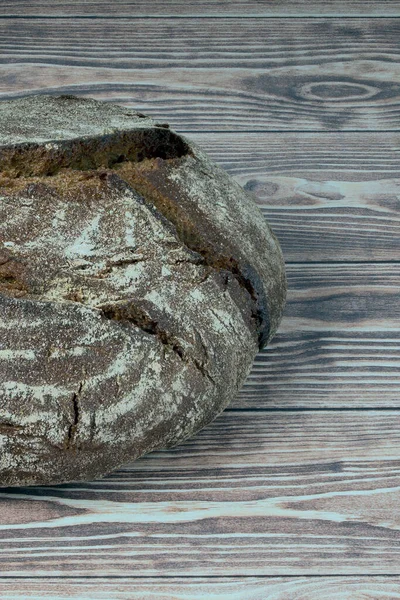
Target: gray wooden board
328 196
221 74
284 493
197 588
338 344
214 8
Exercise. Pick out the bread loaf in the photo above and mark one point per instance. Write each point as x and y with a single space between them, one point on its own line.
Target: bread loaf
137 283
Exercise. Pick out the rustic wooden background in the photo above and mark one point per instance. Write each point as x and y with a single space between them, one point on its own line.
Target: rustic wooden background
294 492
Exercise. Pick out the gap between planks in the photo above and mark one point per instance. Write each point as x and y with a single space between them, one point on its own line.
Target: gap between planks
195 17
206 577
273 409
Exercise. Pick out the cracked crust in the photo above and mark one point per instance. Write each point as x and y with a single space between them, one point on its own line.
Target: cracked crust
137 282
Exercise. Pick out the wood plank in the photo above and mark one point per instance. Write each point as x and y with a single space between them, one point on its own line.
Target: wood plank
220 74
338 344
253 494
214 8
219 8
198 588
327 196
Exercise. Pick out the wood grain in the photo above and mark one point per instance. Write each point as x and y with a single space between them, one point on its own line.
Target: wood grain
338 344
214 8
219 74
253 494
197 588
272 487
327 196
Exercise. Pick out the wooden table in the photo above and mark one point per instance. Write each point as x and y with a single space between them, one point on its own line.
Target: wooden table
294 492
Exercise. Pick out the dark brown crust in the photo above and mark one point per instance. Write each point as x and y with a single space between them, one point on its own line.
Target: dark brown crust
195 229
136 282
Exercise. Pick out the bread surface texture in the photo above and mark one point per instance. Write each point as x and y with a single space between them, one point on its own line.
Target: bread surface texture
137 283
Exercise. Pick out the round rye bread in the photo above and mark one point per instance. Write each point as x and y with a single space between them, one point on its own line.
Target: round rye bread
137 283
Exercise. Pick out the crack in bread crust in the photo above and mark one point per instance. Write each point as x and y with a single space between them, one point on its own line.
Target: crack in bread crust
71 434
30 160
131 313
80 180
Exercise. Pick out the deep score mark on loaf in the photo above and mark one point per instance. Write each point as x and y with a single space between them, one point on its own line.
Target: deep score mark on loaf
144 281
